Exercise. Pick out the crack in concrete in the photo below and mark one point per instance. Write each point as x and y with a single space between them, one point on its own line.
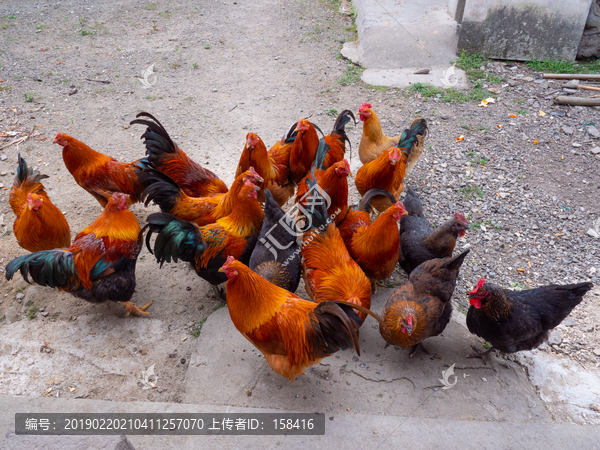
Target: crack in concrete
383 381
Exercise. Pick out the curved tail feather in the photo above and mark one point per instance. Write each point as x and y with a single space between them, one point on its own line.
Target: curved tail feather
53 268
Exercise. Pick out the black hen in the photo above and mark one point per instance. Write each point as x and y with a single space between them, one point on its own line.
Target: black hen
277 256
514 321
419 242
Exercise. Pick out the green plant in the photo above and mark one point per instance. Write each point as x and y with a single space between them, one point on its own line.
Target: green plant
5 88
476 225
151 6
486 345
207 46
332 112
522 112
195 66
471 63
31 313
29 96
352 75
5 26
466 127
556 66
466 192
198 328
219 306
377 88
39 27
12 16
519 286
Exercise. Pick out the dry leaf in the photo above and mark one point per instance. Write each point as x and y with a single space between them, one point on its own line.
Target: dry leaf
460 138
541 113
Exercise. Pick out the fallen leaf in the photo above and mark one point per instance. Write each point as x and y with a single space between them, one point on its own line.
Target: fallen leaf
72 389
484 103
59 62
535 141
460 138
513 115
490 100
541 113
499 126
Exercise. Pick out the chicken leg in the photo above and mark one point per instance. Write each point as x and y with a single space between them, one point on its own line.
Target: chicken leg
132 308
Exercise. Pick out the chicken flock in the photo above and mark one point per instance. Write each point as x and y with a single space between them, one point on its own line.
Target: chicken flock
242 237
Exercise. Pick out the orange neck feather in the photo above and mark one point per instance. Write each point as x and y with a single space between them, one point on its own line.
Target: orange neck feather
252 300
372 127
245 219
76 154
114 224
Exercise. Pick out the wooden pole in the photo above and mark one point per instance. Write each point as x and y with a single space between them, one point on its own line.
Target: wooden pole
589 88
571 76
576 101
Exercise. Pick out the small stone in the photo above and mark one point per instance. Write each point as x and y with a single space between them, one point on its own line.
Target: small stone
555 338
512 83
3 157
593 233
144 352
45 313
576 144
443 117
588 328
595 151
214 89
3 173
593 132
20 296
597 351
567 130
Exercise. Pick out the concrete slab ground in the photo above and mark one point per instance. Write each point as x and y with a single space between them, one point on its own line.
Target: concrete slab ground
403 35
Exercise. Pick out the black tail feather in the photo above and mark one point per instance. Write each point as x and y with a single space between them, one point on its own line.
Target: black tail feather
412 203
162 190
365 202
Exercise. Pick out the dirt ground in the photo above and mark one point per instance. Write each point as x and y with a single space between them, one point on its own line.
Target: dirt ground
223 69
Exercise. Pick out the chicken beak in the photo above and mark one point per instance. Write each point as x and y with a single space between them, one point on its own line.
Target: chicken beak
221 269
467 227
405 213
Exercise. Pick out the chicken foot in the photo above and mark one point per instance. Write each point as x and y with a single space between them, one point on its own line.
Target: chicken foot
133 308
482 355
415 347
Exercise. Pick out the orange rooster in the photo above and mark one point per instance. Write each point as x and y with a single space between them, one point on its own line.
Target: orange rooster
98 266
100 174
39 224
165 193
166 157
336 140
273 166
207 248
373 142
292 333
385 172
304 149
329 272
375 246
333 180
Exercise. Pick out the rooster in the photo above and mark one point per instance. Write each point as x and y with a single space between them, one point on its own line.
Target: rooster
373 142
165 193
514 321
98 266
273 166
276 255
329 272
419 242
292 333
166 157
375 246
304 149
39 224
333 180
421 308
387 171
100 174
207 248
336 140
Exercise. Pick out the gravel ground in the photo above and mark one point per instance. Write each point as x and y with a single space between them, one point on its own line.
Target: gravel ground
225 69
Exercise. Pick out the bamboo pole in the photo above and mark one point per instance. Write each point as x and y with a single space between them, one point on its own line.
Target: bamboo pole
576 101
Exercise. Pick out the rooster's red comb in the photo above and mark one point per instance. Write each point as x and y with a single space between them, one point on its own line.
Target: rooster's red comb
364 106
230 259
480 284
461 218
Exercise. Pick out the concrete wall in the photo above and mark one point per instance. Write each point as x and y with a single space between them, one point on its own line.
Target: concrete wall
523 30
